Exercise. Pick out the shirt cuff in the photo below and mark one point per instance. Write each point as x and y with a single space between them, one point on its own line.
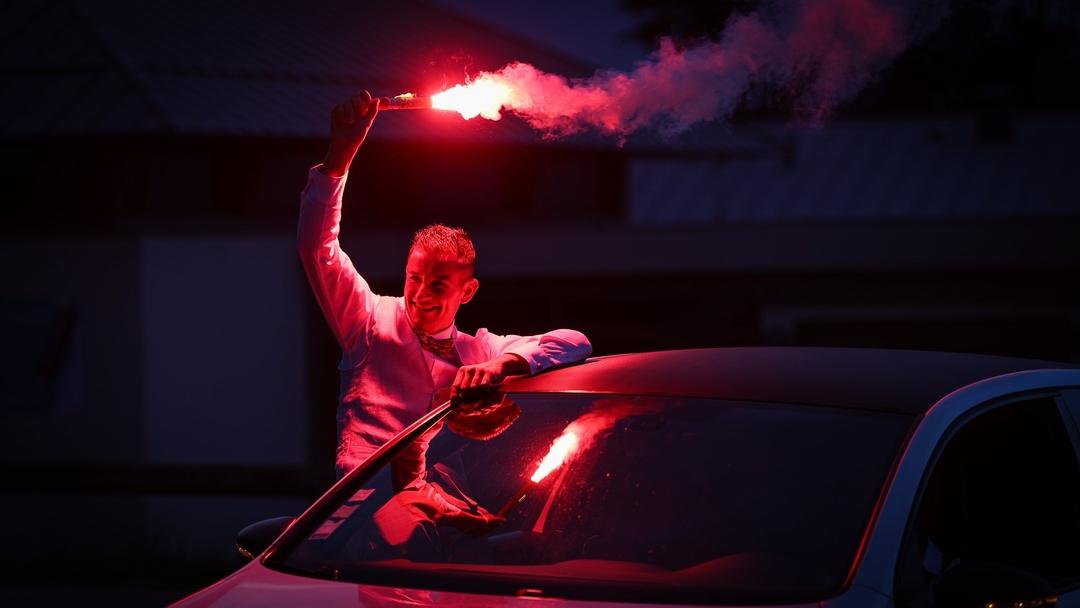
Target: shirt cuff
322 187
531 356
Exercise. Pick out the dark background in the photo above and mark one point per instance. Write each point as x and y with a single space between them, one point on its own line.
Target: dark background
167 376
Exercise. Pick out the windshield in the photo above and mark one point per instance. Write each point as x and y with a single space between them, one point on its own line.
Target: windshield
619 498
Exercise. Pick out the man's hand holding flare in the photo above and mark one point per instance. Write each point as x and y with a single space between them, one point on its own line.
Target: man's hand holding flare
350 121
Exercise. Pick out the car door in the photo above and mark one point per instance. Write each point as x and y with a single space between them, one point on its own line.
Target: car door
998 518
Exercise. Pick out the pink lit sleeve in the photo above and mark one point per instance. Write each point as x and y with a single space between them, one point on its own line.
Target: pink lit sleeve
554 348
343 295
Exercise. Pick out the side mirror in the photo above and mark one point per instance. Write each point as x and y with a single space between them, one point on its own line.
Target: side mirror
254 539
972 583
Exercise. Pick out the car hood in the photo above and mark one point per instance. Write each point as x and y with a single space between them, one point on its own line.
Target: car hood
257 585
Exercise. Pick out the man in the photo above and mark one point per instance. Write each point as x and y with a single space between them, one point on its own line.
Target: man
399 352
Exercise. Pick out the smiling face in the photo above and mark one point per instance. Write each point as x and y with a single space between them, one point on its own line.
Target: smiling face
434 290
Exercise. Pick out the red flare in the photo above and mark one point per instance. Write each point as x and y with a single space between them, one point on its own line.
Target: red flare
405 101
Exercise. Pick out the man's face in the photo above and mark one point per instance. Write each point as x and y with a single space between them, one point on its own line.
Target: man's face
434 290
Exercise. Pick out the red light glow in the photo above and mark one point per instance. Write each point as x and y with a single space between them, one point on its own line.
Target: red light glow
482 97
561 449
580 434
577 437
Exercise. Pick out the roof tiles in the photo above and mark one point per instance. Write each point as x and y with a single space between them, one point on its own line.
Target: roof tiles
265 68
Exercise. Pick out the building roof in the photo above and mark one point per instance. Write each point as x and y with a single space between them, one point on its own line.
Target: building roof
263 68
884 380
925 169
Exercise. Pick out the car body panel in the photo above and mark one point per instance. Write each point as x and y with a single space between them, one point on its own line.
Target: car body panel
895 380
257 585
940 388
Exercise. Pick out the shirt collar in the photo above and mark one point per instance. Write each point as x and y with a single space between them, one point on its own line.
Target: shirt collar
449 332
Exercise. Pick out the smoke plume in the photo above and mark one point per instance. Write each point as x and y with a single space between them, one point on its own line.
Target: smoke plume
819 53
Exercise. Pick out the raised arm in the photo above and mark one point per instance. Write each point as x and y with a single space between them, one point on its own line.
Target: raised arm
343 295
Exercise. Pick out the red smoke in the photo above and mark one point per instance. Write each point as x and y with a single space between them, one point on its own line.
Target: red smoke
835 49
820 52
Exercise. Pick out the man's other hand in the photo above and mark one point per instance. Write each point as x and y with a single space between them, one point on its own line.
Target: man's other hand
350 121
485 374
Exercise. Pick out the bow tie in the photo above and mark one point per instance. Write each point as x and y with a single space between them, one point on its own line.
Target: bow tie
443 349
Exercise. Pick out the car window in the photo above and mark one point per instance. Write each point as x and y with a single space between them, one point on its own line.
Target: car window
1004 494
1069 400
668 499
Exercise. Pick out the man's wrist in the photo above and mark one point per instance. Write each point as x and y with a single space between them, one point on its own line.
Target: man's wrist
338 159
514 364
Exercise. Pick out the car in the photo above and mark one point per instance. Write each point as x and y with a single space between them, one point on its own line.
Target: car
732 476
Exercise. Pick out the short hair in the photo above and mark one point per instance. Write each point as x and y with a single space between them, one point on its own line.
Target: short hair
446 244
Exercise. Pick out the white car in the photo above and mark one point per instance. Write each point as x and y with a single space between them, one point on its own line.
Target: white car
736 477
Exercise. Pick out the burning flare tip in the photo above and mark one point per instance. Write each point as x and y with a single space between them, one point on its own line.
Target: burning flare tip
405 101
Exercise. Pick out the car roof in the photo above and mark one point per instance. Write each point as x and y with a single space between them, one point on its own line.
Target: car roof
886 380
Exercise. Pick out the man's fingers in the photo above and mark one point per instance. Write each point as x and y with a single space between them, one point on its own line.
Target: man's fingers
482 379
363 105
477 379
371 108
473 377
364 98
343 118
462 379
